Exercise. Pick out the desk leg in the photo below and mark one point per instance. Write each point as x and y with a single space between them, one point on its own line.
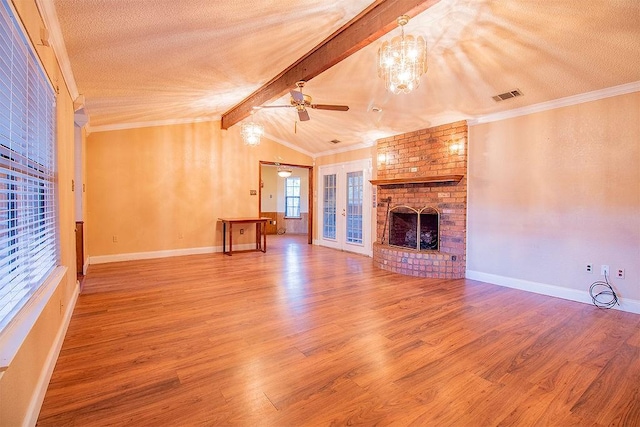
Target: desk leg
224 237
263 227
230 239
258 246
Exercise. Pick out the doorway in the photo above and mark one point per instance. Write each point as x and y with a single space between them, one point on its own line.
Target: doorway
344 207
287 200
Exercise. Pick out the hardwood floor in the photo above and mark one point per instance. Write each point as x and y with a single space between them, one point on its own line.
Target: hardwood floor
305 335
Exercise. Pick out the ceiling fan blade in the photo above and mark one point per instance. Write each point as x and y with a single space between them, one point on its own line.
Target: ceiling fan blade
297 96
303 115
330 107
276 106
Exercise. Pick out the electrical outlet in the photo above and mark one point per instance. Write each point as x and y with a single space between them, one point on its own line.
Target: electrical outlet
242 231
620 273
115 239
589 268
604 270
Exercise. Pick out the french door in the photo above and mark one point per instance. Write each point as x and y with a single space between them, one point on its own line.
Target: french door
345 207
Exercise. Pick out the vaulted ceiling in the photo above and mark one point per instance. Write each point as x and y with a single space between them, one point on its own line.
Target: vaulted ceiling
139 62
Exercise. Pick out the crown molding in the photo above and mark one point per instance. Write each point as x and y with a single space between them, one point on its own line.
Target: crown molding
352 147
47 10
80 118
558 103
290 145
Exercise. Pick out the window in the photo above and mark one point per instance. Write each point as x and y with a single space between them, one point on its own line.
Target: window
28 240
292 197
355 197
329 207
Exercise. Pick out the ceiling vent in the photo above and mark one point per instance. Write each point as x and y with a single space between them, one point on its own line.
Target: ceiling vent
335 141
507 95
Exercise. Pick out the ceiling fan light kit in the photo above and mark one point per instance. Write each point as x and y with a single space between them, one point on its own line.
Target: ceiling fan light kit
302 101
402 60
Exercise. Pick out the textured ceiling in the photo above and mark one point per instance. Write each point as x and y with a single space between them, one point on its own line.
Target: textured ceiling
143 62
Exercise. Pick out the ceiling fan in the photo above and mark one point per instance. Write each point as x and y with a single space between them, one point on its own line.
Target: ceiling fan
302 101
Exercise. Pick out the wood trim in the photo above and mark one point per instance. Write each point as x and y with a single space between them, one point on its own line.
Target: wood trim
79 248
310 207
368 26
440 179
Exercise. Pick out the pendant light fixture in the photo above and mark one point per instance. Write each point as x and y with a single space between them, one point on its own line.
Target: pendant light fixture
251 132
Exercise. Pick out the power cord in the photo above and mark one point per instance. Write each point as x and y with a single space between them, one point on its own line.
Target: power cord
602 294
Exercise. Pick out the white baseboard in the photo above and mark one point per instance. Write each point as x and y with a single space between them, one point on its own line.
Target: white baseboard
133 256
45 376
629 305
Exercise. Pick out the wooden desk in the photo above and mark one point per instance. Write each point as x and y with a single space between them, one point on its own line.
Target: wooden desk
261 232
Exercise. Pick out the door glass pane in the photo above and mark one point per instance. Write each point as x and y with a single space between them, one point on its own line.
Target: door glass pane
355 183
329 207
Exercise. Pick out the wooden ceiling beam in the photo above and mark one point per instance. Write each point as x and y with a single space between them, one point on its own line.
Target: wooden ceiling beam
368 26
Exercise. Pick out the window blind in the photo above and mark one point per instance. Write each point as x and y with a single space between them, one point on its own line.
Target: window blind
28 236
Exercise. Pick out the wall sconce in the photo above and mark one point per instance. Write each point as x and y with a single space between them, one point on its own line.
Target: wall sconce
382 158
456 146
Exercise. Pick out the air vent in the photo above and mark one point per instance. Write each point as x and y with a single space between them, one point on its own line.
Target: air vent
507 95
335 141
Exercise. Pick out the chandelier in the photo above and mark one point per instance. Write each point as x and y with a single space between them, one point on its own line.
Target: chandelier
251 132
402 60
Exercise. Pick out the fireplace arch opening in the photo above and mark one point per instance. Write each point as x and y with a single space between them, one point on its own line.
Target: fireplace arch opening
417 229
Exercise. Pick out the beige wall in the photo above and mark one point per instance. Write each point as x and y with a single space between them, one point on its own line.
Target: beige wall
22 383
348 156
83 187
552 191
270 189
163 188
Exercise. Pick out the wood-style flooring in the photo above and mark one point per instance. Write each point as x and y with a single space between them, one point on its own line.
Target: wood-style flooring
308 336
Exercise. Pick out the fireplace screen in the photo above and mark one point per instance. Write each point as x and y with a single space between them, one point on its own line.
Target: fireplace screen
414 229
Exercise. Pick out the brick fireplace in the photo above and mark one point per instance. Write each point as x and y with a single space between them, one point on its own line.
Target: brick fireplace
423 171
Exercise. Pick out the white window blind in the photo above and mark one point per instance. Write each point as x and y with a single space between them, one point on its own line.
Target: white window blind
28 237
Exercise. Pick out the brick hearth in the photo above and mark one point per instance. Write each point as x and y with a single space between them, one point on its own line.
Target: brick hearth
435 152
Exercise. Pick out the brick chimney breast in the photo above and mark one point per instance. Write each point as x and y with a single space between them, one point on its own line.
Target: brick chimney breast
418 159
